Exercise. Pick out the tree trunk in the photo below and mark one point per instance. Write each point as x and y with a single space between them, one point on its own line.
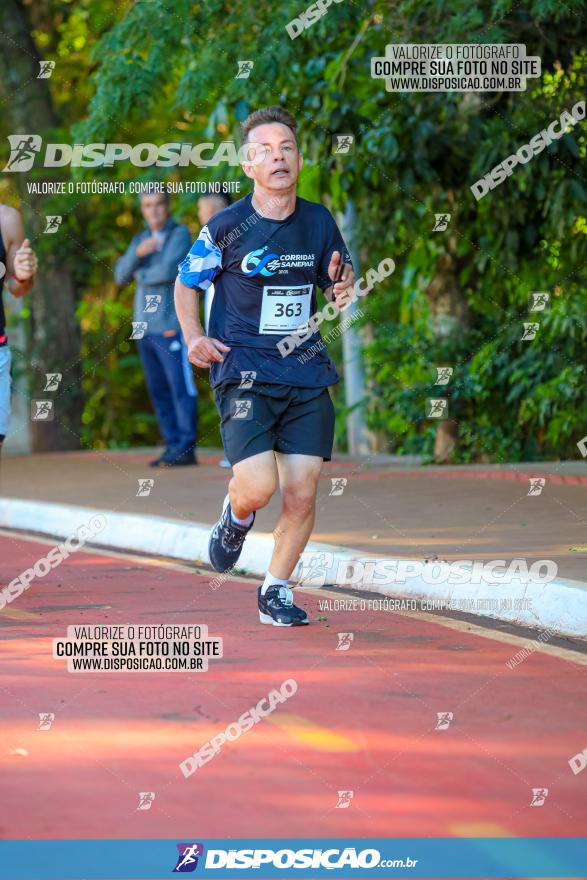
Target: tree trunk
54 337
450 320
360 441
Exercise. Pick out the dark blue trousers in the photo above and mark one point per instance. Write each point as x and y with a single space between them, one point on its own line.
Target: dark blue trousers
172 389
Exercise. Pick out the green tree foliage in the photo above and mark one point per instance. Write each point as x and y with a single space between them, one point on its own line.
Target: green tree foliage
166 71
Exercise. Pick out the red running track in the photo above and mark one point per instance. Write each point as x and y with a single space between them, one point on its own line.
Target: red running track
362 720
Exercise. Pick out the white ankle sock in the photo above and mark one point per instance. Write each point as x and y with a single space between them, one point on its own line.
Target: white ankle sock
242 522
271 581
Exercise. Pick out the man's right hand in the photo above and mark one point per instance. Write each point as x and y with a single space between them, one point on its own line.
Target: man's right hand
146 247
203 350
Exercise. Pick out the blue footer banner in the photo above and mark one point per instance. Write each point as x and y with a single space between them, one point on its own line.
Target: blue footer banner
529 857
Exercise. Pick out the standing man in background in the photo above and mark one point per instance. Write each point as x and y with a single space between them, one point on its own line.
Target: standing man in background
151 260
18 263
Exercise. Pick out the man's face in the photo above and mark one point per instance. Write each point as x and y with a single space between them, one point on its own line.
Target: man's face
207 207
282 162
155 210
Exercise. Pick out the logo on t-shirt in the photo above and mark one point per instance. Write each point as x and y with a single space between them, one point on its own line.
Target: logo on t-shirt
259 265
254 263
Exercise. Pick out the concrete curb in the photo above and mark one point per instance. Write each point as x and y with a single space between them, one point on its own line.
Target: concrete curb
557 605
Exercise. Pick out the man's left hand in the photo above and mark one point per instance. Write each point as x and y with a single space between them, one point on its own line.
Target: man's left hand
25 262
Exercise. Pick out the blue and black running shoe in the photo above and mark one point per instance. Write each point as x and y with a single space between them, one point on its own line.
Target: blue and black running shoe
276 606
226 540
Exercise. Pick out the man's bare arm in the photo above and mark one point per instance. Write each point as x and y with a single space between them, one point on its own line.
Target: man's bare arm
202 350
187 307
21 261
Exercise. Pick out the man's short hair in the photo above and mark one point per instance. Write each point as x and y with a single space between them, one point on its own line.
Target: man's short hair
267 115
209 193
153 189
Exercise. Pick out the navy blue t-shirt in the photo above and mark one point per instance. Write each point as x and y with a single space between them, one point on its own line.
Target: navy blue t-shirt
265 273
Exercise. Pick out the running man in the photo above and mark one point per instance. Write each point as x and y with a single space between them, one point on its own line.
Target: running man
18 263
266 254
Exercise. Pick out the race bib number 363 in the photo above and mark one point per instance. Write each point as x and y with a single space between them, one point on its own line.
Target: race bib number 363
284 308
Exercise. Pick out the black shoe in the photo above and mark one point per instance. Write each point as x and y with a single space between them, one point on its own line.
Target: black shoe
226 540
163 458
179 459
276 606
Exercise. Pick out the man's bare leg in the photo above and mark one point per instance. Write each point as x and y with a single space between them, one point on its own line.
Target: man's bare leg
298 481
253 484
251 488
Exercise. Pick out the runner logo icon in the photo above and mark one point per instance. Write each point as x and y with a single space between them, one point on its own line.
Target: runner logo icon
187 860
23 149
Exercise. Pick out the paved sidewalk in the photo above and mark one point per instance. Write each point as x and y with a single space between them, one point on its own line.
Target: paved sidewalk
389 506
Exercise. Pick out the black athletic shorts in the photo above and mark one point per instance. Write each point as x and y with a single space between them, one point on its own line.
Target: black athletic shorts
264 417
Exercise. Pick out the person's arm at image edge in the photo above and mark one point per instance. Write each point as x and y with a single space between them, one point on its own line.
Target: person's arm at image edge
21 261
